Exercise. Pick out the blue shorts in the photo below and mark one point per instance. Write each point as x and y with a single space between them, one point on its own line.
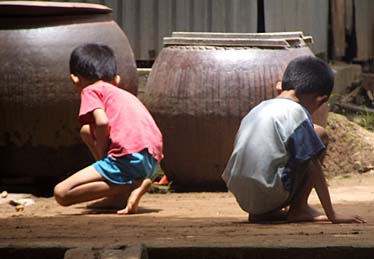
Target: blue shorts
125 169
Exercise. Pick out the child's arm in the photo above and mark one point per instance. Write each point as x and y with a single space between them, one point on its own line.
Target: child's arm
320 185
102 132
89 139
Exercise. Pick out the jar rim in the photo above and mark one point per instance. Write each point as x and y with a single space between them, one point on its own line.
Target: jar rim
39 8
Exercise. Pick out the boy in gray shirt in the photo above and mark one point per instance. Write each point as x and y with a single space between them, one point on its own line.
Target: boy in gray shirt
278 151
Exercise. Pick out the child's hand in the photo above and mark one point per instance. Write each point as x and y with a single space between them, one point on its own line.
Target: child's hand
347 219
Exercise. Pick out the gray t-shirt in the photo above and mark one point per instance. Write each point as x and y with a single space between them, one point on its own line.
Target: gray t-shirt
274 138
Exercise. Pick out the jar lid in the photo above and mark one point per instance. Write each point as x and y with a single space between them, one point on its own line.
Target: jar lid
38 8
266 40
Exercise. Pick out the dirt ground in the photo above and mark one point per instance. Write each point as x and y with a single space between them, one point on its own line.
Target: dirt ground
187 220
207 219
351 148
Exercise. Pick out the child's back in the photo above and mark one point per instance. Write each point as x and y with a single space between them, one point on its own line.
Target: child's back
132 128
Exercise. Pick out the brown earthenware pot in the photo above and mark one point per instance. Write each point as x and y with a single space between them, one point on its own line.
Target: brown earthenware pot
202 85
39 131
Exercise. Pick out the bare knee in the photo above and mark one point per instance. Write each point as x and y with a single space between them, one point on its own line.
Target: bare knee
61 195
322 133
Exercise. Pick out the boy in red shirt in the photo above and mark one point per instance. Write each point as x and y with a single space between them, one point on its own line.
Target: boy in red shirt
119 131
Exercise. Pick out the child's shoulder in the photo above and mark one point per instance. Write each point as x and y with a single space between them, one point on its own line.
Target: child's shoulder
279 108
280 104
102 86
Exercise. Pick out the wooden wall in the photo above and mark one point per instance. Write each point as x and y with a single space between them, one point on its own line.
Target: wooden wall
310 17
352 23
365 29
146 22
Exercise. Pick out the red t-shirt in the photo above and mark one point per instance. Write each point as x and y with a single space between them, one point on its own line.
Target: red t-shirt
131 126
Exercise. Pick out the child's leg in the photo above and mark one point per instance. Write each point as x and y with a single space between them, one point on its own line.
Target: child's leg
299 208
86 185
113 202
139 188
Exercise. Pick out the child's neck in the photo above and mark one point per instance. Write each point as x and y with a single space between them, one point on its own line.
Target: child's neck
289 94
311 102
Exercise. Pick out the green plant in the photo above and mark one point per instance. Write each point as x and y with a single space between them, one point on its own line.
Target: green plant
334 98
364 119
369 119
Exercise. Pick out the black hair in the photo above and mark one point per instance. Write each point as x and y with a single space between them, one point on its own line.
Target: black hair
93 62
308 74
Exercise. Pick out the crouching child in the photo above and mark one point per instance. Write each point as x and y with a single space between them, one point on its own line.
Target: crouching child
278 151
119 132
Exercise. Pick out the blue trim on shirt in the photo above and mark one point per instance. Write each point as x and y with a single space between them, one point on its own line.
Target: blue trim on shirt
304 144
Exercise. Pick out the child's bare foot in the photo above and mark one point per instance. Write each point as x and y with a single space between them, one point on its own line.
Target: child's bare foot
109 203
305 214
279 215
140 187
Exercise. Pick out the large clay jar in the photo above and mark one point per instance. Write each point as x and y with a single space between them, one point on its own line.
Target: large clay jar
39 131
202 85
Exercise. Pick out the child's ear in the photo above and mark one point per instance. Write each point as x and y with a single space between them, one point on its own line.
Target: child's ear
117 80
75 79
278 87
322 99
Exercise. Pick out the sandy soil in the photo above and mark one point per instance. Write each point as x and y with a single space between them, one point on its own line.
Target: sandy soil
351 148
185 220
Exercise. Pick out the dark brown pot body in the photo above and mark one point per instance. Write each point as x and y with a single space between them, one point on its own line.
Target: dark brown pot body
39 131
198 96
